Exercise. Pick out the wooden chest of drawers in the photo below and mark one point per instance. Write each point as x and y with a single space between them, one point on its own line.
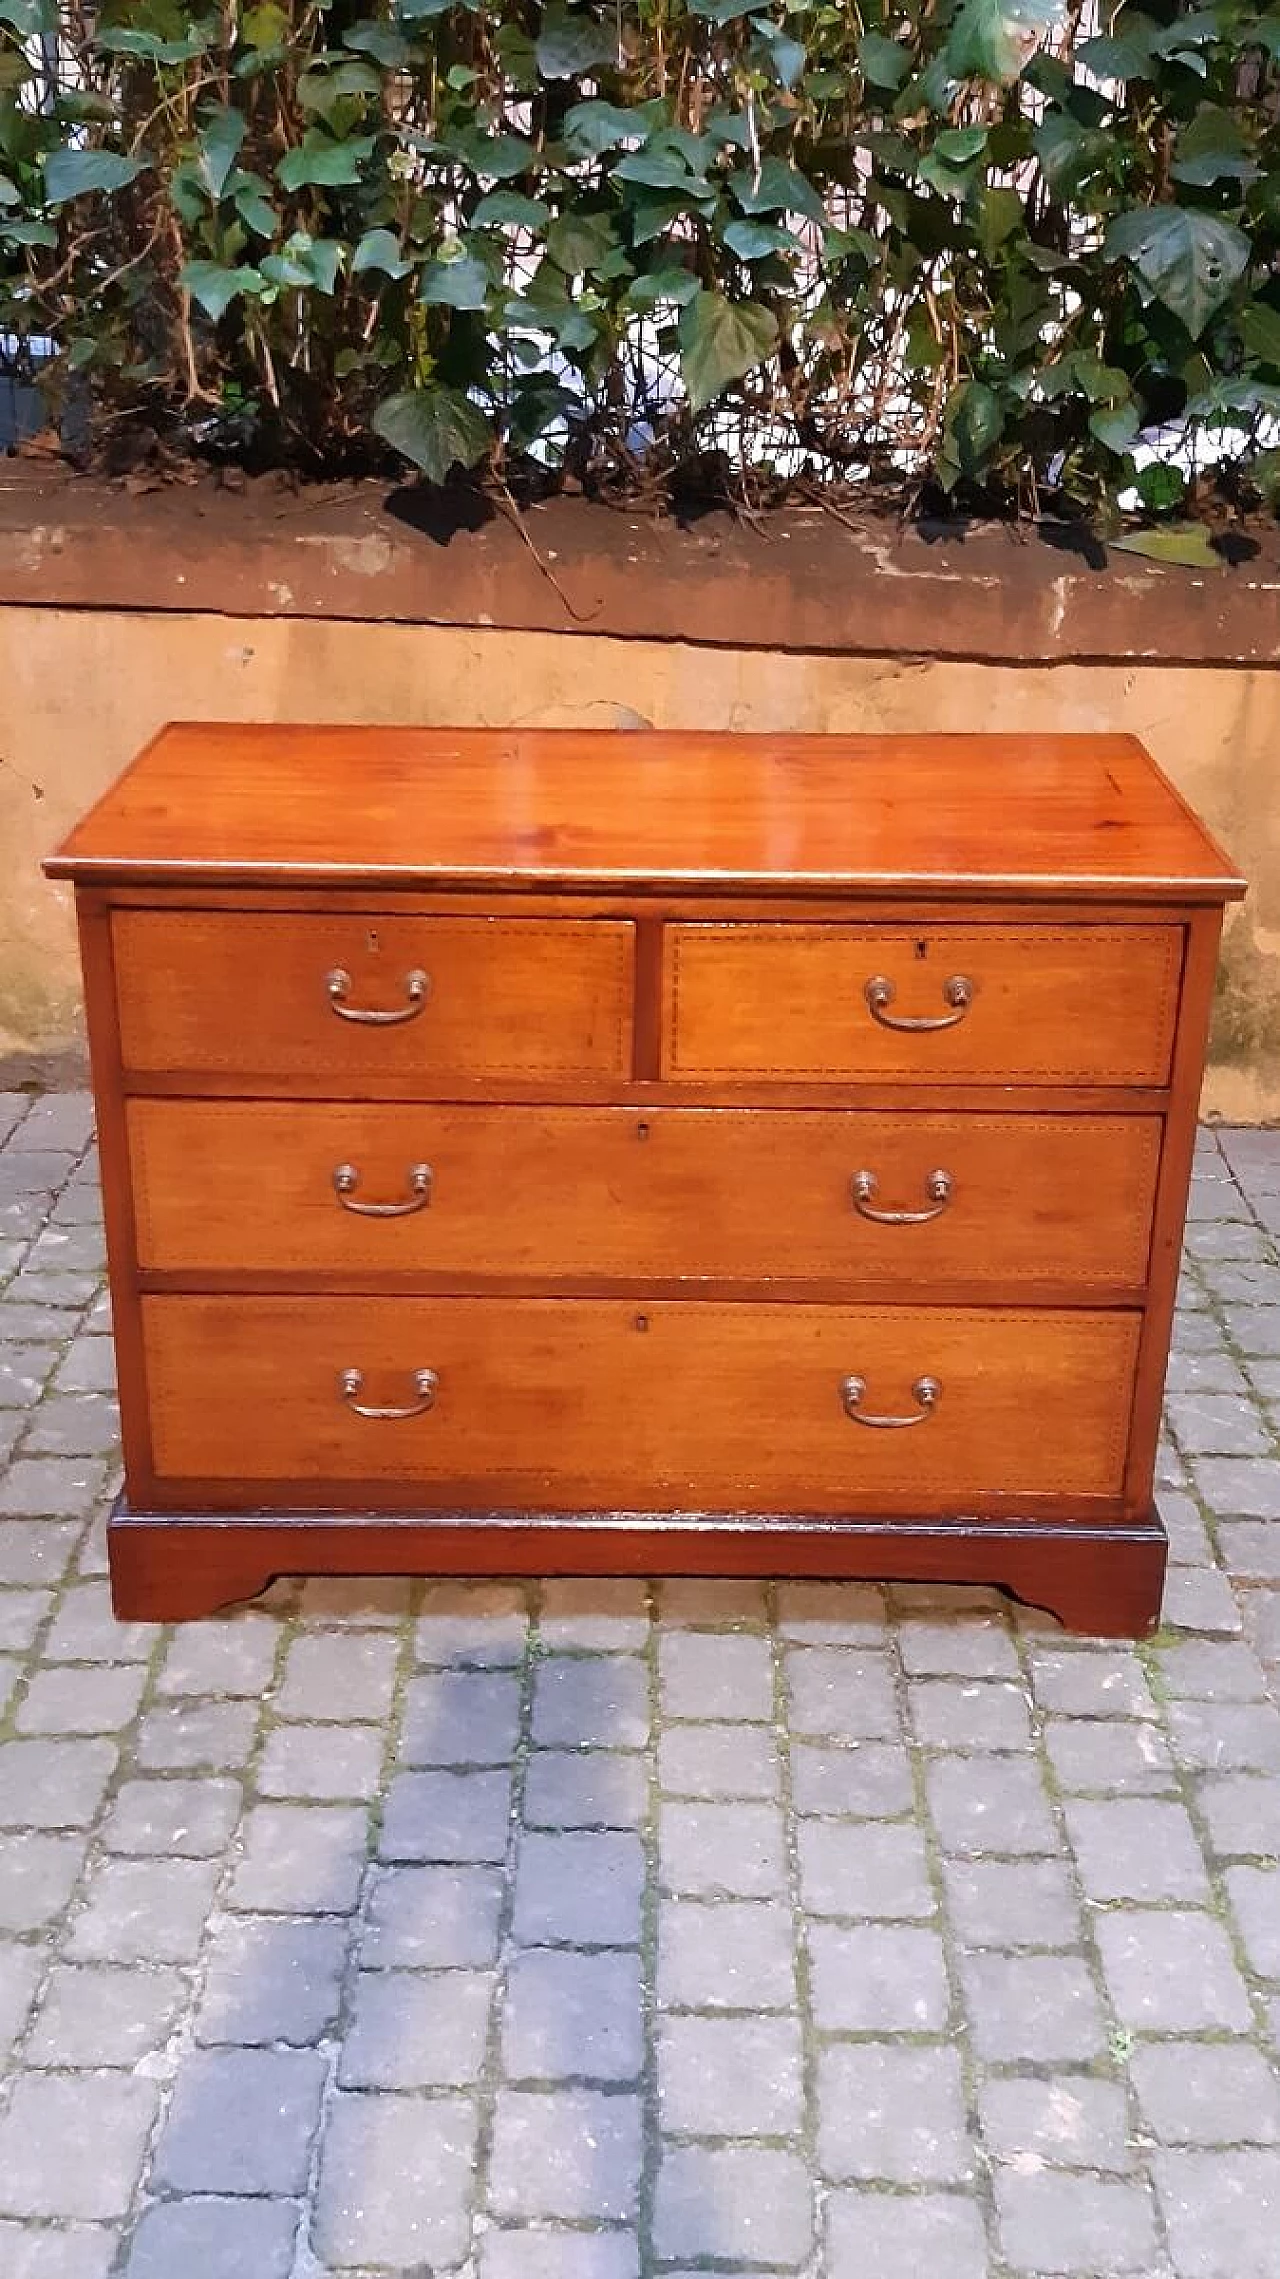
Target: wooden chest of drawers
559 1152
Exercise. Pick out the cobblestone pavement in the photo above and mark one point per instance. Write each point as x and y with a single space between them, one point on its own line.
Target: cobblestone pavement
586 1931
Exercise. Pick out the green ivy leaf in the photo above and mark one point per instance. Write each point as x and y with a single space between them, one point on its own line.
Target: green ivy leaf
1211 149
593 127
379 249
28 233
1185 544
152 47
1160 486
289 270
787 57
215 287
959 144
496 157
28 18
777 189
948 181
1260 332
267 26
1117 428
304 261
10 194
539 402
321 91
884 63
1000 214
974 425
655 210
656 286
571 46
221 134
1071 155
436 428
996 39
383 42
510 209
75 173
580 242
1123 54
461 284
660 168
253 204
719 341
754 241
319 160
1189 260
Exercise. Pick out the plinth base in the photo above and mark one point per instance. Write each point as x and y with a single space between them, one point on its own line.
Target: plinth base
1104 1581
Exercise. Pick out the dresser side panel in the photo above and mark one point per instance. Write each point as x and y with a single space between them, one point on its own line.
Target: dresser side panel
93 920
1199 974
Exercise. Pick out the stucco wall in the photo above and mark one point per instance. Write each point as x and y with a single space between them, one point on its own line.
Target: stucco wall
80 690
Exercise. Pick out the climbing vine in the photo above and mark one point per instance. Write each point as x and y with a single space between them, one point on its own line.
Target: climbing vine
974 250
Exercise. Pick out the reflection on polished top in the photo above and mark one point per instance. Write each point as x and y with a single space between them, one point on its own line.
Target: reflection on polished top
1030 816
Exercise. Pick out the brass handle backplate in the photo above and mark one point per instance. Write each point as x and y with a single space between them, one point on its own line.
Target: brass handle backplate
346 1179
426 1385
926 1392
417 986
864 1185
880 993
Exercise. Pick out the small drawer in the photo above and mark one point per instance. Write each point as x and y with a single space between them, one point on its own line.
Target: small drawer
345 996
382 1191
933 1005
602 1405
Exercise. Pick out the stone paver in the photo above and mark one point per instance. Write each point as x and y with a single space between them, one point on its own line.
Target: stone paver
590 1929
218 2238
241 2121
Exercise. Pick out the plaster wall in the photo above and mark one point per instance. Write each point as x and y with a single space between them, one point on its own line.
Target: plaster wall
81 689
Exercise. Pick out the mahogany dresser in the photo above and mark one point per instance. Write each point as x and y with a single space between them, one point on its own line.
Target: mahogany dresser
574 1152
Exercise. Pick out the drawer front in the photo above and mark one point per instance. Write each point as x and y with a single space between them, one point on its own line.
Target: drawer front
597 1193
442 999
828 1004
591 1404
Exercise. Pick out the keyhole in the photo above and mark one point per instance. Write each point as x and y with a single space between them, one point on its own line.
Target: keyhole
922 949
373 942
642 1131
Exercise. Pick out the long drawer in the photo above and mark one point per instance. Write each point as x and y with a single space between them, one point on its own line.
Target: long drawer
594 1404
366 1192
343 996
934 1005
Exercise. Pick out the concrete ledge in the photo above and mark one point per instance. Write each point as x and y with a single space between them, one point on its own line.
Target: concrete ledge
803 582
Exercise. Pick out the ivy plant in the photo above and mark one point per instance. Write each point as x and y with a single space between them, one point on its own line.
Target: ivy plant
969 250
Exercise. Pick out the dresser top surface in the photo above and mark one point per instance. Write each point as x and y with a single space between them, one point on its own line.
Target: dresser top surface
1023 815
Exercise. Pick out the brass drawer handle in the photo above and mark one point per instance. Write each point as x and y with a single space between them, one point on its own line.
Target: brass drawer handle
346 1179
926 1390
864 1184
417 989
880 993
426 1384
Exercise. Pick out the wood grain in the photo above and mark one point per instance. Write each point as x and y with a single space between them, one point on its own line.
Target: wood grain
582 1194
1032 814
1199 977
582 1404
1050 1004
531 998
1104 1581
643 1077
